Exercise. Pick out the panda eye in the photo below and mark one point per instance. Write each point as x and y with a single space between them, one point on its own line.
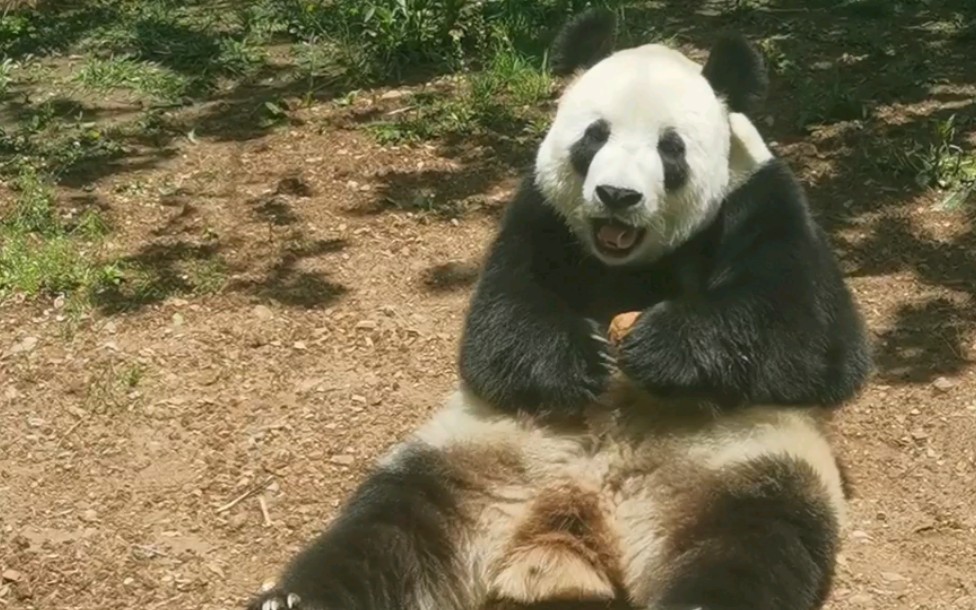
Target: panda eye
598 131
670 144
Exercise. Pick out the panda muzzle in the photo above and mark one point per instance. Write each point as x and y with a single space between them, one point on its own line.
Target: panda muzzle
616 237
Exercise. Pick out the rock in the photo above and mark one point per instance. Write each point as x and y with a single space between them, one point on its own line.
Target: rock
366 325
89 516
237 521
25 345
177 319
12 576
300 345
262 313
343 459
943 384
893 577
861 599
393 94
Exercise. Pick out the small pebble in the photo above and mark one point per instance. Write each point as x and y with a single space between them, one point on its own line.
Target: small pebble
943 384
343 459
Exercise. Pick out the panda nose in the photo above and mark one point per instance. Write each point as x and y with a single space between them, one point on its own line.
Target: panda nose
617 198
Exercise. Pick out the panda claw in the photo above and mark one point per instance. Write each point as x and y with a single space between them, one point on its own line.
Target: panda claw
278 600
596 332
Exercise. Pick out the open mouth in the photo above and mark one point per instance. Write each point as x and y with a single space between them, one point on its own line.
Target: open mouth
616 239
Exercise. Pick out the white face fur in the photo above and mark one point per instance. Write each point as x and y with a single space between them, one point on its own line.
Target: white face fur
640 155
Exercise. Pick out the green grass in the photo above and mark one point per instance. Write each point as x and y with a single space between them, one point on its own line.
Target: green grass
507 98
941 163
164 52
6 75
42 254
113 387
129 73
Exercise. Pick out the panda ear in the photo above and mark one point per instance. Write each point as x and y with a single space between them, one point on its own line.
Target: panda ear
583 41
737 72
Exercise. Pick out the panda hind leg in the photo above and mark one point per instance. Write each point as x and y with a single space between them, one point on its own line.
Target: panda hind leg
764 537
394 545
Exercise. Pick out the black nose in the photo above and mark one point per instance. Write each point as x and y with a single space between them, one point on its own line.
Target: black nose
617 198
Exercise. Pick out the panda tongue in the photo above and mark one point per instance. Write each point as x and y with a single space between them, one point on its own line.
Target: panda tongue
617 237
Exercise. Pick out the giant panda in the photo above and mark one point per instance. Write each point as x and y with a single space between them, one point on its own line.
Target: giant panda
684 466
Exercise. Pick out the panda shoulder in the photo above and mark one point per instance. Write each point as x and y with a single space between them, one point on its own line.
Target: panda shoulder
771 199
528 215
531 232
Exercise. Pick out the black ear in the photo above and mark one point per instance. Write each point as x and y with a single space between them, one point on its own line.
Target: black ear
583 41
737 72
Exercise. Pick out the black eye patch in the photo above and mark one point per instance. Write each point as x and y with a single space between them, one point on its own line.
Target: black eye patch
672 150
582 152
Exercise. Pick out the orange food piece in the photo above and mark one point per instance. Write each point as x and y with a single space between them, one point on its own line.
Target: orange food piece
621 325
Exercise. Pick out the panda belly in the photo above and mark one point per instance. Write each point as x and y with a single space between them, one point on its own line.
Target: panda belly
602 514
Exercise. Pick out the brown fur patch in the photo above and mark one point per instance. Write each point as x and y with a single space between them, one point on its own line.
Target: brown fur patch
846 481
563 550
483 466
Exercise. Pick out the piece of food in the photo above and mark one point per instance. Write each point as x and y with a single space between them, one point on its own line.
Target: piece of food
621 325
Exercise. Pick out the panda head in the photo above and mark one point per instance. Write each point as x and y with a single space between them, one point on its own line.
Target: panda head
644 143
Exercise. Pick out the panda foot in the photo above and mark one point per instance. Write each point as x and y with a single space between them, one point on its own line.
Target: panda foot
276 599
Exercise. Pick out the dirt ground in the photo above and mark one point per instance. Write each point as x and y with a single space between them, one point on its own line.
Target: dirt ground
177 454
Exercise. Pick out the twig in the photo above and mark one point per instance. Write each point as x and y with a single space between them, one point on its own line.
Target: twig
64 436
167 602
400 111
264 510
247 494
150 549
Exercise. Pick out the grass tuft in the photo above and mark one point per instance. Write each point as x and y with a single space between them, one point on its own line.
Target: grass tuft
43 255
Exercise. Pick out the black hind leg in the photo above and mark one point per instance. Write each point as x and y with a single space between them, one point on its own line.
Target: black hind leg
767 540
392 547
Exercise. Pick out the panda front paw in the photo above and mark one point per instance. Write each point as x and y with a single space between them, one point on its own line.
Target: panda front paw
569 381
654 355
276 599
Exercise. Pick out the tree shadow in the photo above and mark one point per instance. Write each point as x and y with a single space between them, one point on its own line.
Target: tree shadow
289 285
160 270
486 153
925 341
274 207
237 90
